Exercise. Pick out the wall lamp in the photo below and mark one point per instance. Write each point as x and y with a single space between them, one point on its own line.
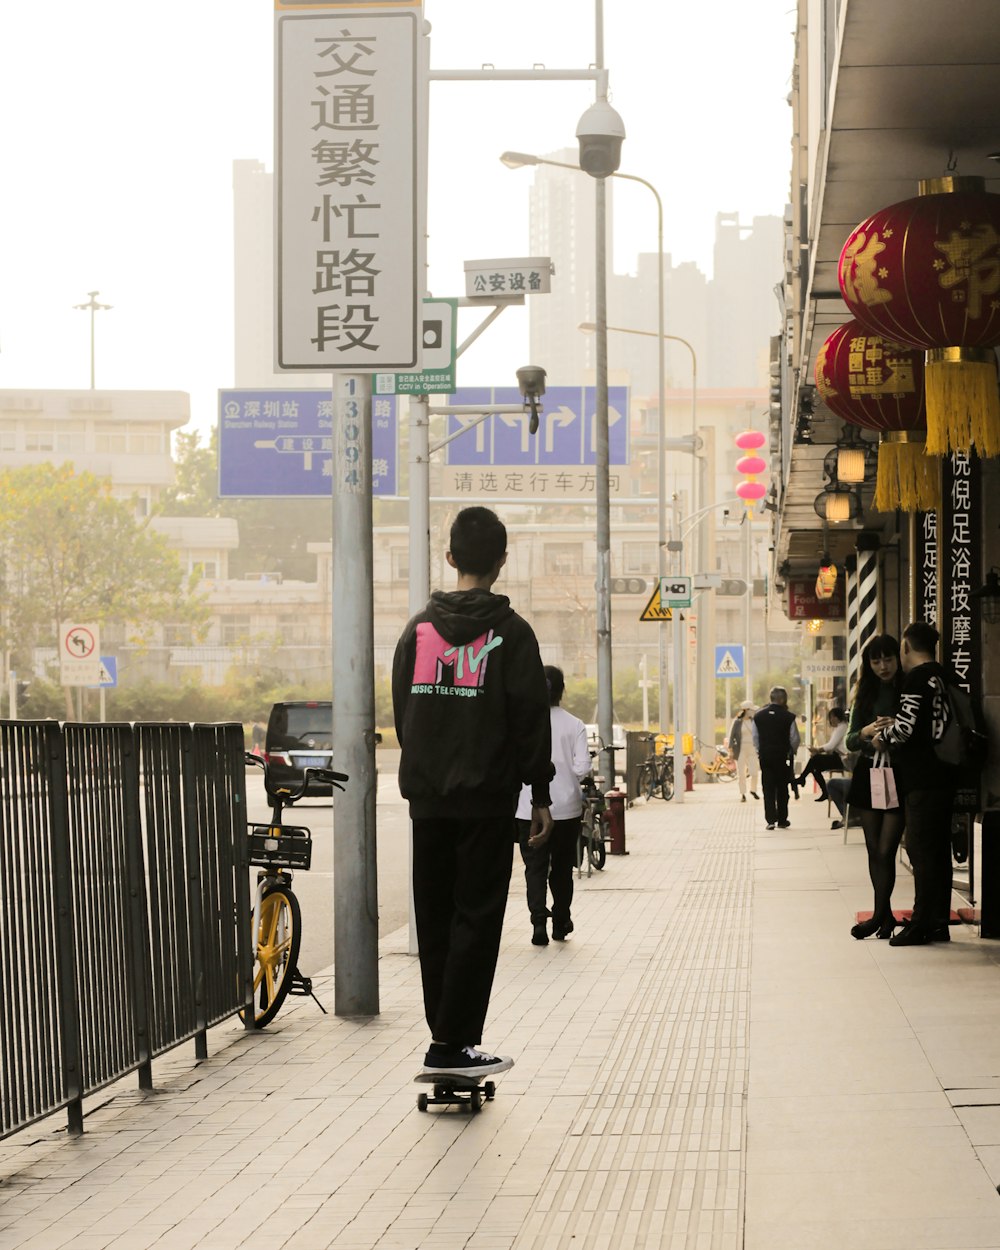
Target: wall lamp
988 596
837 503
852 460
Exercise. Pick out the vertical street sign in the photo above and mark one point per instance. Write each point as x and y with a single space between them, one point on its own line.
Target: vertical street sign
348 222
79 654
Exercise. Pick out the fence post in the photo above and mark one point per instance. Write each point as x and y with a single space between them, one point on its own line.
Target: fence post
141 980
192 857
69 1006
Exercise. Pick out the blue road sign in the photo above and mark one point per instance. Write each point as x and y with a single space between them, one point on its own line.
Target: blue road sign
565 428
278 443
729 660
109 672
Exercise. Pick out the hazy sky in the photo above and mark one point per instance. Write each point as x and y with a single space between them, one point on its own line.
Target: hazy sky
122 119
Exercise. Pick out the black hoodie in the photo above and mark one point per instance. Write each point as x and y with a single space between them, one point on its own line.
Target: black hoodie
471 708
924 712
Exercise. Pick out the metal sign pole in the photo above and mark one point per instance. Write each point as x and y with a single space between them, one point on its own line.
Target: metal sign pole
354 864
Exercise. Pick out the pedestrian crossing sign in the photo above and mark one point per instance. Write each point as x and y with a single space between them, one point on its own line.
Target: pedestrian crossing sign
729 660
654 610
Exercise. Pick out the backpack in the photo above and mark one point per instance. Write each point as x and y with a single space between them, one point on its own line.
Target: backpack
964 742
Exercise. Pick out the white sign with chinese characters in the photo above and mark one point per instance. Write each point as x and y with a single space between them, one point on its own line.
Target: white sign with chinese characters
348 218
502 279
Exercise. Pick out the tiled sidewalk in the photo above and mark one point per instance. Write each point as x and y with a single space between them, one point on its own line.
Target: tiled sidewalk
709 1062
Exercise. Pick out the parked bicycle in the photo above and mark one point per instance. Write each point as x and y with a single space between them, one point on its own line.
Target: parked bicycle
595 830
656 776
276 925
722 765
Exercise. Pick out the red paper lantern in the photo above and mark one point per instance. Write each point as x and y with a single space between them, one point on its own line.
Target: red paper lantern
870 382
879 385
750 466
926 272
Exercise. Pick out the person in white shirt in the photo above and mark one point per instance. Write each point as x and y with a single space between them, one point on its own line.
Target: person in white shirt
550 863
743 751
829 755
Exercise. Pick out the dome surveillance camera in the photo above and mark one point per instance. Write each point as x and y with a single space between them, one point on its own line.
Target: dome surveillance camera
600 134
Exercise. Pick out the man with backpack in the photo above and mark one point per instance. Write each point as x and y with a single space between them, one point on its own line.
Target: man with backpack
926 781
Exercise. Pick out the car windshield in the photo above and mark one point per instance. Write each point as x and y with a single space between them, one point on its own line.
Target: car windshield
312 726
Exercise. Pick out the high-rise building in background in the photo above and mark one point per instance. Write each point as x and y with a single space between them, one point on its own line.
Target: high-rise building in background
728 319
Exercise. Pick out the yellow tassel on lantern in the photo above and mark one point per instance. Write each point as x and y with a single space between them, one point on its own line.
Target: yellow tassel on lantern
963 401
908 479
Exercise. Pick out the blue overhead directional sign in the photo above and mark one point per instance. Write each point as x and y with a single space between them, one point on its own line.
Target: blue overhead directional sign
279 443
729 660
565 428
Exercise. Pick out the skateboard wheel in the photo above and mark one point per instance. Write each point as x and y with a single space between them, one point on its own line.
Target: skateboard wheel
475 1100
421 1102
489 1089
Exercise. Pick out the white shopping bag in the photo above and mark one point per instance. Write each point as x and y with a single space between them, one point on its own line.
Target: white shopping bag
883 785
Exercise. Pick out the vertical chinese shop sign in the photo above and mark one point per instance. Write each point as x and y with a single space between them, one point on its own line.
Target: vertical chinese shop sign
960 568
347 220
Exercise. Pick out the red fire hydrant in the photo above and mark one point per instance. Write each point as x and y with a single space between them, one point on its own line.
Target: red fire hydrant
688 775
616 821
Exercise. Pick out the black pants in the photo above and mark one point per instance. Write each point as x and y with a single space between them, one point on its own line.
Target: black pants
822 760
928 844
550 865
461 874
774 775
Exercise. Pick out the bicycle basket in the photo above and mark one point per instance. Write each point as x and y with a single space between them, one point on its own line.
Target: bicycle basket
292 850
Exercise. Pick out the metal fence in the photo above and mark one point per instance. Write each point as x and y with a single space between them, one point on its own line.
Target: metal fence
124 908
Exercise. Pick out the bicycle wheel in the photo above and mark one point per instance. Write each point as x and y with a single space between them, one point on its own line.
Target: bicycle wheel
646 781
276 951
667 784
727 770
598 851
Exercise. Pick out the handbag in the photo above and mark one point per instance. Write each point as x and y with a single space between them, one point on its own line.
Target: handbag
883 785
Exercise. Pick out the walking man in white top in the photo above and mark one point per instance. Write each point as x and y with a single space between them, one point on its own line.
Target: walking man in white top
550 863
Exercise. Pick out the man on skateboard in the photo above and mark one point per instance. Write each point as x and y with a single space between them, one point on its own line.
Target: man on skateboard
472 717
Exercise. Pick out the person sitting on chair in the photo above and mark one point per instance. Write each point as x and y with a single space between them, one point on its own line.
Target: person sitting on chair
829 756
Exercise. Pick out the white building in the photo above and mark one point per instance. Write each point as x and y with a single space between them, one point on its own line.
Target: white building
120 435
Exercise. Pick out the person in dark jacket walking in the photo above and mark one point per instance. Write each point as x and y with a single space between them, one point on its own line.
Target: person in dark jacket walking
472 716
776 737
927 784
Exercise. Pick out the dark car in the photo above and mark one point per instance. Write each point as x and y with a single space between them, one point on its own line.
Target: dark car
299 736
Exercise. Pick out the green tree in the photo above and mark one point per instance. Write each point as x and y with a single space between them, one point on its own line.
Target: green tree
69 551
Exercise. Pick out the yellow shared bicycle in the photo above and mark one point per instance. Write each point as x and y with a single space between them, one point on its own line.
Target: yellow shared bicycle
276 849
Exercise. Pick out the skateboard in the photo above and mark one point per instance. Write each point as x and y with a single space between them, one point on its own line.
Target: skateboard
459 1091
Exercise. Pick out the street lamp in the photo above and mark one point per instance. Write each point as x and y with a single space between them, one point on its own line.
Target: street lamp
93 306
600 133
588 327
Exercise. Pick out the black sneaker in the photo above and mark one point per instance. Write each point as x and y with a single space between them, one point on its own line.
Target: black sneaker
465 1062
909 935
784 824
769 826
539 936
560 932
